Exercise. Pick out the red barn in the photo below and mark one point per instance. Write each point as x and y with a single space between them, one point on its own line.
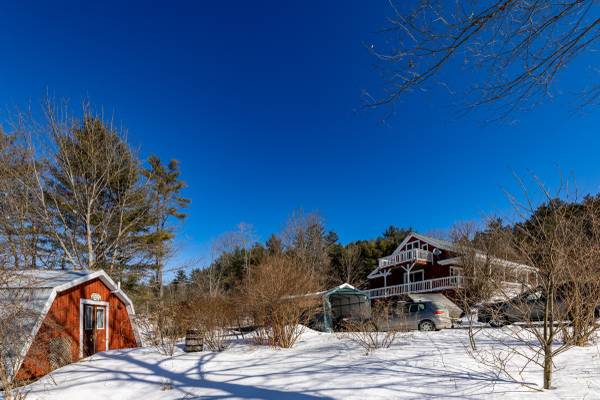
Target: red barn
70 315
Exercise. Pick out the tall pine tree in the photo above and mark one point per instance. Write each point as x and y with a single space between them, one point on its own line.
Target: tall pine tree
167 204
94 203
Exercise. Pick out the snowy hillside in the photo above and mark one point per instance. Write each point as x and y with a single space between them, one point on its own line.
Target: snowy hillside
419 365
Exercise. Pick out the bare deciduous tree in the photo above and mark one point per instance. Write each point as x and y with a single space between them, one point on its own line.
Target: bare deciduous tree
351 264
483 268
246 237
513 49
304 238
21 233
560 240
92 200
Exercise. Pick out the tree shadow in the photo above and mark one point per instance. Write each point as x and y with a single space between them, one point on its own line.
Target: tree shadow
317 372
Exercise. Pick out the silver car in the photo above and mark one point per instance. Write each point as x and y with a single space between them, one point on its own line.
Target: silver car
421 315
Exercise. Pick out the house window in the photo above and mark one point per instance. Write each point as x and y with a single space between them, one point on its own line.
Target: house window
88 318
415 276
412 245
425 246
100 318
456 271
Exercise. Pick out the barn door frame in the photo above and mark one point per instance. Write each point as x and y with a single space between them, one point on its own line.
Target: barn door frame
82 303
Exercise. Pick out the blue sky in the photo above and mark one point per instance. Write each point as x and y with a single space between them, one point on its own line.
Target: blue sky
261 104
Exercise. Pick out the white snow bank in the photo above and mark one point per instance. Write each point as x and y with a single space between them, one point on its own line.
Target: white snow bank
421 365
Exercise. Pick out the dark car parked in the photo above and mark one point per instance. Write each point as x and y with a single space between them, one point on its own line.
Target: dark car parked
527 307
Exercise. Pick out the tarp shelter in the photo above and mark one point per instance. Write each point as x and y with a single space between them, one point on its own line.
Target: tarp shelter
341 303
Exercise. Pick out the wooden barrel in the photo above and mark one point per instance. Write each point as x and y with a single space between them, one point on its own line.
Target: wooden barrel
194 341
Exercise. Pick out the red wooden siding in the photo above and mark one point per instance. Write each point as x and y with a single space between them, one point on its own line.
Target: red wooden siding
430 270
63 320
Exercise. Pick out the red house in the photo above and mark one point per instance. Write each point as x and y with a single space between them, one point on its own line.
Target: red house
70 315
423 264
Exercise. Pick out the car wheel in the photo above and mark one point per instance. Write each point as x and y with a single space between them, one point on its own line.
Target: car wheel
426 326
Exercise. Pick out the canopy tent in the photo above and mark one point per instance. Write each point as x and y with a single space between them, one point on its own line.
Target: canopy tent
342 303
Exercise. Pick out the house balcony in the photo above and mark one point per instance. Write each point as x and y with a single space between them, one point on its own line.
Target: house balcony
429 285
413 255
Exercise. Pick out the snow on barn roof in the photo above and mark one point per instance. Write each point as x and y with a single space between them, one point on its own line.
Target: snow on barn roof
44 282
28 296
34 278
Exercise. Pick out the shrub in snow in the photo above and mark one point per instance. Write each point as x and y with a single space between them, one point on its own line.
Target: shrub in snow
212 317
164 324
276 298
372 334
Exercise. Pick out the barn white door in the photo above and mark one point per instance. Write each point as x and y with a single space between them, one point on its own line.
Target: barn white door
93 327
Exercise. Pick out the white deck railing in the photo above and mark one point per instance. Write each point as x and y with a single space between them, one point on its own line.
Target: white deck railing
430 285
405 256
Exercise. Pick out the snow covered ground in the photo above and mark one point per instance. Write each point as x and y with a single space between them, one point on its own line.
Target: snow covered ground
421 365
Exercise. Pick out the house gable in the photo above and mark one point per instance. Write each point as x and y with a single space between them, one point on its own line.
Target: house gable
60 318
415 240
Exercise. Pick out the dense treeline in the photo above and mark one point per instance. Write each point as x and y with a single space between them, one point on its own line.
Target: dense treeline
537 222
237 251
336 263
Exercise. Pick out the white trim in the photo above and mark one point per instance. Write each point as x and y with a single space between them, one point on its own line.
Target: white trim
401 247
442 245
100 319
426 286
421 238
378 273
457 261
82 303
403 243
112 286
413 273
415 244
95 303
450 261
36 328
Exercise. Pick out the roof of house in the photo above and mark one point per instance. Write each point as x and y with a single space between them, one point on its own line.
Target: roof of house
439 243
29 294
448 246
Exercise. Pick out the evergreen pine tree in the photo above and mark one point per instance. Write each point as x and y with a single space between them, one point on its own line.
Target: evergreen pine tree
165 188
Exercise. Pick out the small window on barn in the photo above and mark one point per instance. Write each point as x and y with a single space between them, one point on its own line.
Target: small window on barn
100 318
88 318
